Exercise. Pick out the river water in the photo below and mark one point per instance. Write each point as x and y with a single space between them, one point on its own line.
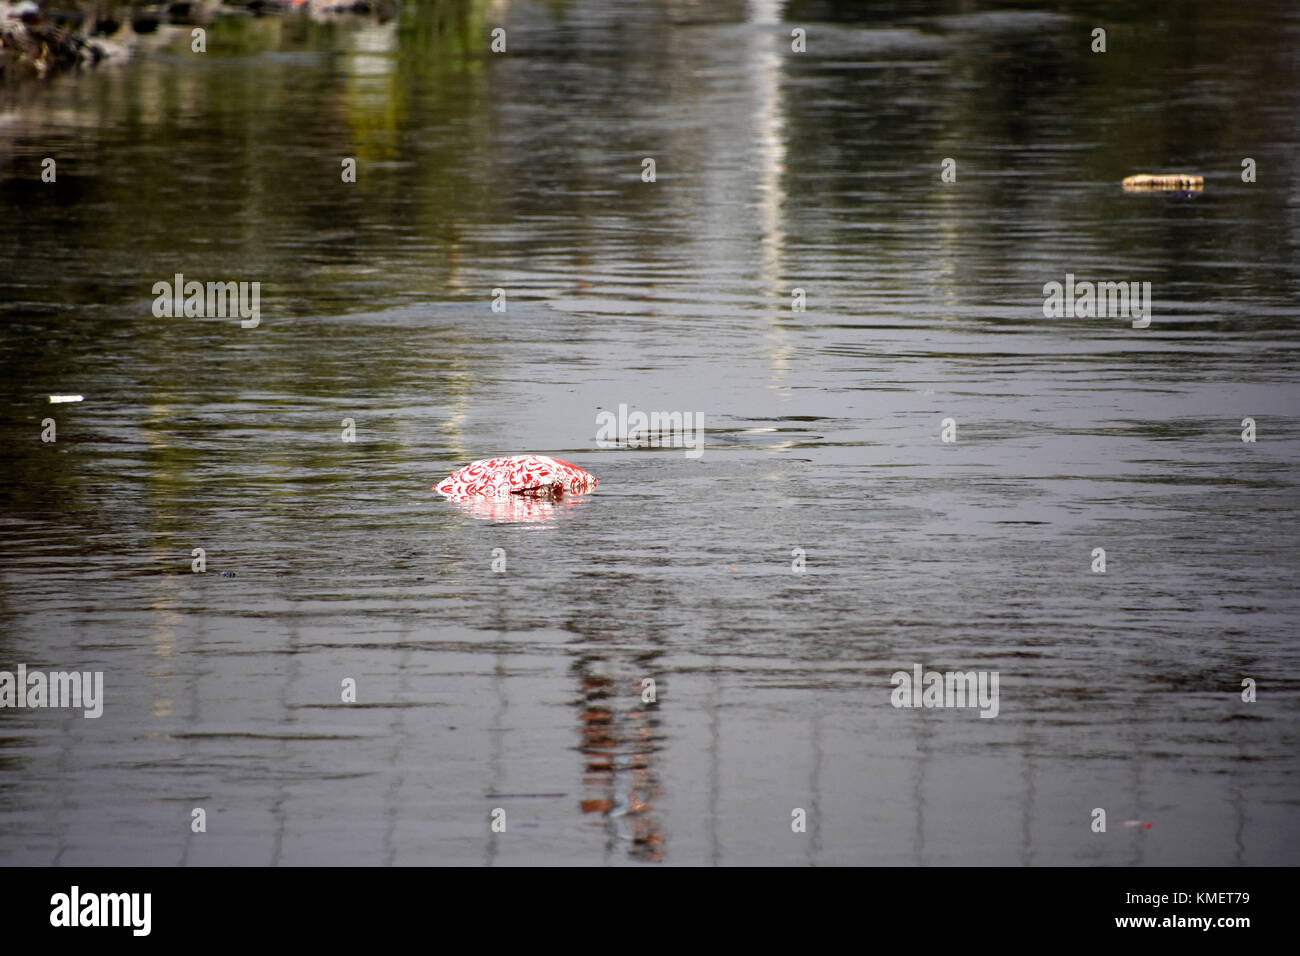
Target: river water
520 690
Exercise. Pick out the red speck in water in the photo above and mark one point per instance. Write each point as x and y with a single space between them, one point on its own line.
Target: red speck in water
1146 826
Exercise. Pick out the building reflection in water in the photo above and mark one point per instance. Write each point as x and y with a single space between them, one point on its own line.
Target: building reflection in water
620 744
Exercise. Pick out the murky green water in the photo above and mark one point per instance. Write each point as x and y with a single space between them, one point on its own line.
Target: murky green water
521 689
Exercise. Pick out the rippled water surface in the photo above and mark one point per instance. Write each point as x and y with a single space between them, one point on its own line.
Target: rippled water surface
521 689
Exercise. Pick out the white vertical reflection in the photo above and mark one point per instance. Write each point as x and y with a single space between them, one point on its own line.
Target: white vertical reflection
770 151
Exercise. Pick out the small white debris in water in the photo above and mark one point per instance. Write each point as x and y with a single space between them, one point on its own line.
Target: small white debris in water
56 399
